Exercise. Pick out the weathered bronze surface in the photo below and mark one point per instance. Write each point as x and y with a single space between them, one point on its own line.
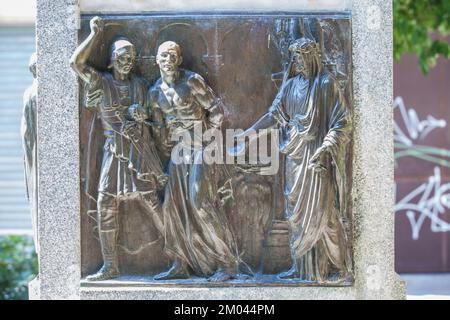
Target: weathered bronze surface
315 124
145 77
130 166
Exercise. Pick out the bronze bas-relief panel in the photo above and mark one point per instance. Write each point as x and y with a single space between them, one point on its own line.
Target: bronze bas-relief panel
272 230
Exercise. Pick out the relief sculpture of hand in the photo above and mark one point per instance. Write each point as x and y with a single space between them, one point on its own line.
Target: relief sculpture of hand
242 144
137 112
238 150
319 161
96 25
129 129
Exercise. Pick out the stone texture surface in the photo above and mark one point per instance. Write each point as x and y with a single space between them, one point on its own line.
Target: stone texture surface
199 5
33 289
373 168
58 151
236 293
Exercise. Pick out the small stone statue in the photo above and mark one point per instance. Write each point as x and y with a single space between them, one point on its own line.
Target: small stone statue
130 164
198 237
29 139
315 126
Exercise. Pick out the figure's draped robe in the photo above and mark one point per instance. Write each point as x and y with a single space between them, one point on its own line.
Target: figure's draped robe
196 227
315 202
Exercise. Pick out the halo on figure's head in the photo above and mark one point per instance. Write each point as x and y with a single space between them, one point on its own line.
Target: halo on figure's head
305 45
169 45
120 46
32 64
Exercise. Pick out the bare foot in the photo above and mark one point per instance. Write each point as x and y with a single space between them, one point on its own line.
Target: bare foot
290 274
177 271
340 277
243 276
221 275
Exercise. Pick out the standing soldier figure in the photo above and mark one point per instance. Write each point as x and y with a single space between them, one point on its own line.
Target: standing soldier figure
130 163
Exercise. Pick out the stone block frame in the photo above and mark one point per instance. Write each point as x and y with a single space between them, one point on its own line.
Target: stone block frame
58 161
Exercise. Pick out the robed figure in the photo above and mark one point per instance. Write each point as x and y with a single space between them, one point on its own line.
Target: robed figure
198 237
315 127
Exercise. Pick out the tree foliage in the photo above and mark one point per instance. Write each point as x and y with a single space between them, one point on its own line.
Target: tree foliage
18 265
421 28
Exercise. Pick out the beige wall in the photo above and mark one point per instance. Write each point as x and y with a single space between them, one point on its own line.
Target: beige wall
23 12
17 12
199 5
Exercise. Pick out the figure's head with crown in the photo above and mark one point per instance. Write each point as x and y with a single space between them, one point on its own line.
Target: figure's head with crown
305 58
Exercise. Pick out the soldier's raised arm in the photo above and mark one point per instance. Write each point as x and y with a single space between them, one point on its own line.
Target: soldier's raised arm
79 59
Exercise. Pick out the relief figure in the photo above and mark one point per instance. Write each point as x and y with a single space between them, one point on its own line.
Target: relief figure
130 166
315 127
198 238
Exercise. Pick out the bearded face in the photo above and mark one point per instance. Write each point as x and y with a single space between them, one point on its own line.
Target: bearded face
301 64
305 58
306 64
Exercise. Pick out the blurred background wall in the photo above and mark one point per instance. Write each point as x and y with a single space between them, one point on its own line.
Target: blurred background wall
422 174
17 42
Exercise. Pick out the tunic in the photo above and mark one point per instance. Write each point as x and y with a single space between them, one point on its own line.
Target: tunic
128 164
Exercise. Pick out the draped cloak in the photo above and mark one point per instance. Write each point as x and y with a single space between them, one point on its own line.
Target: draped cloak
197 230
196 226
315 203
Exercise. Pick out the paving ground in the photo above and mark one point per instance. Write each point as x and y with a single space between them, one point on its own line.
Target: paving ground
435 286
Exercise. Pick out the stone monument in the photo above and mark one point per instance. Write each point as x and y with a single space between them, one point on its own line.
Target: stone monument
215 151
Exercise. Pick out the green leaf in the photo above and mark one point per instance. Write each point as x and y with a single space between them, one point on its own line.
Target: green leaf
18 265
415 21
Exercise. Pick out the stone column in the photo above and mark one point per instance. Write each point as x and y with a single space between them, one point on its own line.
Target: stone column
373 163
58 152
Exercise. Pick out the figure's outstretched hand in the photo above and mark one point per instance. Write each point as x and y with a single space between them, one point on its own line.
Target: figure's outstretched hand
319 161
96 24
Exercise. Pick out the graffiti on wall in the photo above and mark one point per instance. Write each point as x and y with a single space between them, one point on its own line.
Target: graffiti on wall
431 199
407 142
